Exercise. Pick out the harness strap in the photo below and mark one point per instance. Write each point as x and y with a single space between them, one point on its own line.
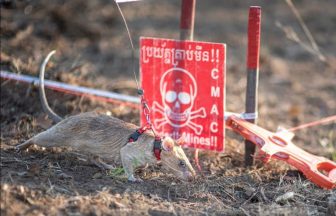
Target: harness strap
157 147
134 136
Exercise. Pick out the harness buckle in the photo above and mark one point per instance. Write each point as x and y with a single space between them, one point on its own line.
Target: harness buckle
134 136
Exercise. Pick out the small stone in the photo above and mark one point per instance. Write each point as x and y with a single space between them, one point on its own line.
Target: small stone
5 187
21 189
65 176
117 204
97 175
249 191
285 197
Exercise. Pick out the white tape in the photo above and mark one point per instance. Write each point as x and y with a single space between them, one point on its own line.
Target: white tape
249 115
246 116
72 88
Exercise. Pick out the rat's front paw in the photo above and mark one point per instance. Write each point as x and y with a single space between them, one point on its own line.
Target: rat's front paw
134 179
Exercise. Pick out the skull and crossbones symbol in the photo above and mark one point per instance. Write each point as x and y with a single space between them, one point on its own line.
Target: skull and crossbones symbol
178 90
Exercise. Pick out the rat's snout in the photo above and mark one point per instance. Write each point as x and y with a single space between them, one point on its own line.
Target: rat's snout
189 173
180 169
178 164
189 176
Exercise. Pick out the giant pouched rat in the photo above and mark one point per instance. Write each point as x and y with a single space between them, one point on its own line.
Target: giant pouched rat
108 138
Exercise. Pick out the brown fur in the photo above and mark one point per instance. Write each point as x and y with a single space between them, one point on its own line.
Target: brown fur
107 137
88 133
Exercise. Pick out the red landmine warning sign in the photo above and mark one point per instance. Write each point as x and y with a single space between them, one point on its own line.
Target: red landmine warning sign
184 84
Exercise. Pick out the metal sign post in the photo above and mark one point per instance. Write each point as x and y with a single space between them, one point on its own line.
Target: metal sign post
252 74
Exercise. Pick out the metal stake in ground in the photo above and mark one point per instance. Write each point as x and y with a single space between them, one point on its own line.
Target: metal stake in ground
253 47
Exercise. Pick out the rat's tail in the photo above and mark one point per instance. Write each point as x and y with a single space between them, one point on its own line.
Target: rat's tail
46 108
24 145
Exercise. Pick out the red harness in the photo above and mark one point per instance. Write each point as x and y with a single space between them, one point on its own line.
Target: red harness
157 141
134 136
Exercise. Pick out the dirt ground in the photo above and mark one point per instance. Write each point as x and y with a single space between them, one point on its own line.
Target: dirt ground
295 87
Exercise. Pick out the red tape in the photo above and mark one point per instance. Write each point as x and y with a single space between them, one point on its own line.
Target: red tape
187 15
253 45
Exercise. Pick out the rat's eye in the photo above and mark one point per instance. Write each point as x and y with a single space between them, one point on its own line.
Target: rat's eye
182 164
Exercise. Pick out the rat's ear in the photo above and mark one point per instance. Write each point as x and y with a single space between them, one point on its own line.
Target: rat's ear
168 144
180 141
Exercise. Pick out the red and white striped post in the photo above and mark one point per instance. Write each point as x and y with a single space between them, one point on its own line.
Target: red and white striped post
187 19
253 49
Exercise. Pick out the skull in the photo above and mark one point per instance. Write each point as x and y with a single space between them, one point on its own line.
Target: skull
178 96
